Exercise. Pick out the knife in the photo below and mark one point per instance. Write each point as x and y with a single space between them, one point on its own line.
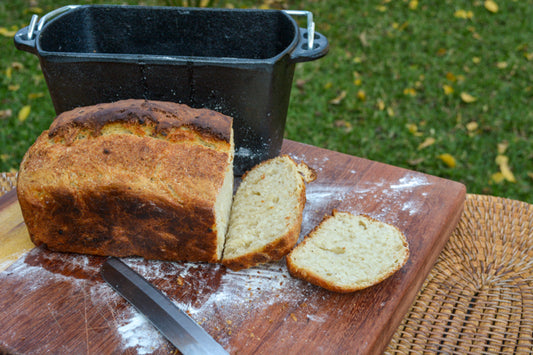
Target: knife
180 329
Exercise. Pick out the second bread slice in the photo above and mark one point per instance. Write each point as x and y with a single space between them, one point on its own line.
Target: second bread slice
346 253
266 214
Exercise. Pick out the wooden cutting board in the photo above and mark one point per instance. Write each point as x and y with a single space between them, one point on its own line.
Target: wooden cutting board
58 303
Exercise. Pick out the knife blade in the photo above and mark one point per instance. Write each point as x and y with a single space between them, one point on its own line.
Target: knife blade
180 329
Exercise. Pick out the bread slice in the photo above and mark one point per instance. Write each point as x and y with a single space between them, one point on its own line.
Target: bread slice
346 253
266 215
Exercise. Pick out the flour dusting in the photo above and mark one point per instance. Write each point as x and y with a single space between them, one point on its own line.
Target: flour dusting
210 292
390 201
410 181
137 332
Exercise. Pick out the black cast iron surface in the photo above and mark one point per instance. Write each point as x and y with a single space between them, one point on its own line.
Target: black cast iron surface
238 62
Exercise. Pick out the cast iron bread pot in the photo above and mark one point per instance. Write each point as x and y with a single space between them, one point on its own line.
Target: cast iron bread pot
239 62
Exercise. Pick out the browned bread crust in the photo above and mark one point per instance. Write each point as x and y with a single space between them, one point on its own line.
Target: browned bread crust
129 178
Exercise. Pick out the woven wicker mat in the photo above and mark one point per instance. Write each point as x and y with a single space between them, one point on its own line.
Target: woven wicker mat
7 182
478 298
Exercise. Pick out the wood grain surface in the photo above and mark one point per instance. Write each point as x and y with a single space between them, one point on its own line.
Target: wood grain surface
58 303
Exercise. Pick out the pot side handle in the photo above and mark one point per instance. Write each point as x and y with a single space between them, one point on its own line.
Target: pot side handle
302 52
25 37
311 45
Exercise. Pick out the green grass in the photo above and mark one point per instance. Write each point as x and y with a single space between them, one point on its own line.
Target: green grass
378 94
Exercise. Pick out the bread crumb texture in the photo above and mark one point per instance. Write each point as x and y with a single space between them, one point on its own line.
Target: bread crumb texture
266 214
346 253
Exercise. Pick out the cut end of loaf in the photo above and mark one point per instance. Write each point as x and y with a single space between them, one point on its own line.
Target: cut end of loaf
266 215
223 203
346 253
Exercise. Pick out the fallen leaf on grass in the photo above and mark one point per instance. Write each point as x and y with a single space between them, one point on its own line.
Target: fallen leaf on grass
24 113
4 157
415 161
441 52
502 147
491 6
413 129
429 141
409 91
7 33
448 90
472 126
362 39
361 95
5 114
463 14
34 10
300 83
501 65
413 4
347 126
401 27
35 95
451 77
339 98
357 82
467 98
448 159
17 65
497 177
503 162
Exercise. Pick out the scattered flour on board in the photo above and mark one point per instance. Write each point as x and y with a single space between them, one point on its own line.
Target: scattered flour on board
134 330
138 333
392 200
234 297
317 163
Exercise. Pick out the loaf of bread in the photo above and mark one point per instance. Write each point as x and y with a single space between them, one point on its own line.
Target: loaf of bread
346 253
131 178
266 215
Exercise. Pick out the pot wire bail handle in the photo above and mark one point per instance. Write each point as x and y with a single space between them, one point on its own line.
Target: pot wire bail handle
310 24
51 14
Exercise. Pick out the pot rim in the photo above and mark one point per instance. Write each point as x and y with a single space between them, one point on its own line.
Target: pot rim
139 58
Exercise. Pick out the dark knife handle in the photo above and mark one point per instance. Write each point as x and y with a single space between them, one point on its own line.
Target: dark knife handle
180 329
